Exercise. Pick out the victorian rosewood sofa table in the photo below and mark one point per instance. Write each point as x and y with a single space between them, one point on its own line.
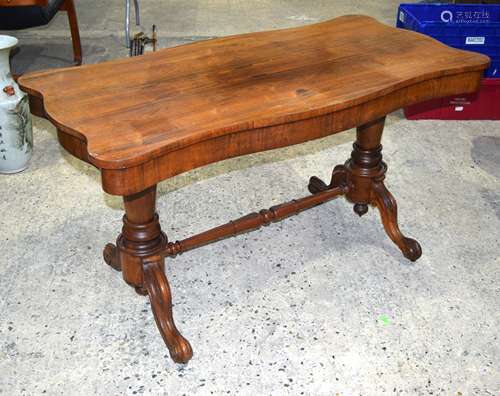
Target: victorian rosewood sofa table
145 119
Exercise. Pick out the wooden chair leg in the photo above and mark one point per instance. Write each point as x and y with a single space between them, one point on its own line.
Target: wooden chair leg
69 7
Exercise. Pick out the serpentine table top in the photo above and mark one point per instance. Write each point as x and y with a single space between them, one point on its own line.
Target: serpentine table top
128 113
144 119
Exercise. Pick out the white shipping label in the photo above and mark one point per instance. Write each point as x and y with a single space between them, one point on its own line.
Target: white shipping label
475 40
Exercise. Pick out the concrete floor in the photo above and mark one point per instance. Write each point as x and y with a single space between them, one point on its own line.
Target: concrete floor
320 304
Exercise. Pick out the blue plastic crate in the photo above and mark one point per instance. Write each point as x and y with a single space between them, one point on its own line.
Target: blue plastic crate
471 27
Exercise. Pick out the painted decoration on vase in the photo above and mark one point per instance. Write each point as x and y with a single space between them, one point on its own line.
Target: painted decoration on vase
16 133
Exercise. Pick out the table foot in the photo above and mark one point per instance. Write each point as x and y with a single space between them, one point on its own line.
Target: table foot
156 284
111 258
141 291
387 206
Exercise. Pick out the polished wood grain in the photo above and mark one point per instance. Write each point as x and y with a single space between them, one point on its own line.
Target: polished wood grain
224 92
158 289
145 119
363 177
253 221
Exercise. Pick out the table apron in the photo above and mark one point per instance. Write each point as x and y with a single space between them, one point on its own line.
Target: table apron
133 179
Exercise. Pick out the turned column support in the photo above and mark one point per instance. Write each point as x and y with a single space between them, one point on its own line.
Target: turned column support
365 165
141 236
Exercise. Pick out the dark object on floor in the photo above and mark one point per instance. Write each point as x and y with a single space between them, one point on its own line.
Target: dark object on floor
139 42
156 116
23 14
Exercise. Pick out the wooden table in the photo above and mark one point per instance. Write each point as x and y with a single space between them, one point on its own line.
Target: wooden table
145 119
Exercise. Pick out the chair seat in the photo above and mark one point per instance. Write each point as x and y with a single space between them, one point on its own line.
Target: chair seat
13 18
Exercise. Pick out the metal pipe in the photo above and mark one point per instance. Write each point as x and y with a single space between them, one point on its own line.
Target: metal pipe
127 19
137 15
127 23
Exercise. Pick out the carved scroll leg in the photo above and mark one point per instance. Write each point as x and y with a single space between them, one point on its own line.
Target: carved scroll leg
156 284
339 178
387 206
111 257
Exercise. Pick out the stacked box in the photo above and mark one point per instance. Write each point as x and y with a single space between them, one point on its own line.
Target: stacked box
471 27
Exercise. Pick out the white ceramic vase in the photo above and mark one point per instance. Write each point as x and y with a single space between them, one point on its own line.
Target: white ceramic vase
16 134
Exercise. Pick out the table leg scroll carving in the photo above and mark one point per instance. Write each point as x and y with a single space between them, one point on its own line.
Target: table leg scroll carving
111 257
362 178
156 284
138 255
339 179
367 180
141 248
387 206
